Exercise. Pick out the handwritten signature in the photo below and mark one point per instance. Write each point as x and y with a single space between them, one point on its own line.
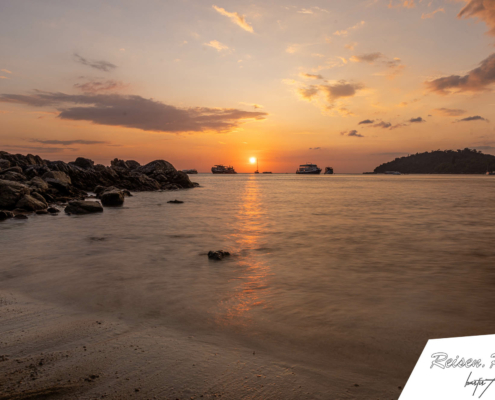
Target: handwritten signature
479 382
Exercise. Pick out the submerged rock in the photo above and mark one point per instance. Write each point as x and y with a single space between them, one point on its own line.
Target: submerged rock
83 207
218 255
112 197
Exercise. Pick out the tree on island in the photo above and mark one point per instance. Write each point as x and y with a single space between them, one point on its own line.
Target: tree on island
467 161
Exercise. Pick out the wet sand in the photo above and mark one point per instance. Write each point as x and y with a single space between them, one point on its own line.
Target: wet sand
50 351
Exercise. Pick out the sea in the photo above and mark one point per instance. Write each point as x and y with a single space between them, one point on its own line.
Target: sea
348 271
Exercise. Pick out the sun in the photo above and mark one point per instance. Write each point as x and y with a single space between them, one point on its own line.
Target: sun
252 160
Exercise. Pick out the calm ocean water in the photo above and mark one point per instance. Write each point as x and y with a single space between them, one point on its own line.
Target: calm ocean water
356 270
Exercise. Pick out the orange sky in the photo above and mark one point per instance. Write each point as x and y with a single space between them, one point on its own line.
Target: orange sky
348 84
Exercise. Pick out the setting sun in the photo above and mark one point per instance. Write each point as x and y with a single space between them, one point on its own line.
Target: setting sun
252 160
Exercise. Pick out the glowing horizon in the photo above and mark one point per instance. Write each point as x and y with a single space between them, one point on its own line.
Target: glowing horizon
348 85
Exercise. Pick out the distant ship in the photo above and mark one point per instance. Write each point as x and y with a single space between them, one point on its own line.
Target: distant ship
308 169
190 171
328 170
267 172
221 169
392 173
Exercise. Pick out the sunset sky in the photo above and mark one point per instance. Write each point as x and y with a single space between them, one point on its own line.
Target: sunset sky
342 83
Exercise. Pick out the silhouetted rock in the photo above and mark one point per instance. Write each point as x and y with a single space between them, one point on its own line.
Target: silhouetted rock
13 176
218 255
11 193
29 203
38 184
6 214
84 163
175 201
57 176
53 210
83 207
4 164
112 197
132 164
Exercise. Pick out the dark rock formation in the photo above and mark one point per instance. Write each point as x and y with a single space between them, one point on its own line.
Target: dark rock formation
53 210
112 197
218 255
83 207
56 181
20 216
6 214
30 203
175 201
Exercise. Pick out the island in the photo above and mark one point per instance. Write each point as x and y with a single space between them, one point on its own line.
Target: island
467 161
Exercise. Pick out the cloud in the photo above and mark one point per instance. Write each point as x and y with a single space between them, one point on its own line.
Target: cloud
353 133
292 48
3 77
402 4
39 149
366 121
254 105
351 46
345 32
308 92
217 45
383 124
367 58
100 65
132 111
416 120
100 86
316 148
481 9
312 10
340 89
6 71
68 142
449 112
432 14
475 118
236 18
311 76
476 80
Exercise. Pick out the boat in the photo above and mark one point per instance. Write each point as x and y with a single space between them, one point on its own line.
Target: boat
190 171
490 172
328 170
392 173
267 172
307 169
222 169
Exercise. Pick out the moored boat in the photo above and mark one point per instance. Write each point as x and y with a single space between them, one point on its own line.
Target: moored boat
222 169
308 169
190 171
328 170
392 173
267 172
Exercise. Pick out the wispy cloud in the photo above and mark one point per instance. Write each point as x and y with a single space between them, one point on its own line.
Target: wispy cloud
132 111
68 142
482 9
312 10
369 58
449 112
6 71
402 4
432 14
100 86
345 32
39 149
366 121
311 76
100 65
236 18
351 46
217 45
416 120
353 133
474 118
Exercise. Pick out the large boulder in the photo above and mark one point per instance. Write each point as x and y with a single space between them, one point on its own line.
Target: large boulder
4 164
10 193
83 207
59 176
132 164
156 167
30 203
38 184
13 176
84 163
119 163
112 197
6 214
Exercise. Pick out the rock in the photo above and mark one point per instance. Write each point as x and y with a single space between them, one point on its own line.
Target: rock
42 212
99 189
57 176
53 210
119 163
175 201
83 207
84 163
112 197
6 214
21 216
13 176
11 193
40 198
132 164
157 166
12 169
29 203
4 164
218 255
39 184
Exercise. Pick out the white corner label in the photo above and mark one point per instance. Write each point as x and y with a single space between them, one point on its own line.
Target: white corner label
455 369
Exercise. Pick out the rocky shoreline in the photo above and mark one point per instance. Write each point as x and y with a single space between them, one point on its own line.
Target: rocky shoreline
30 184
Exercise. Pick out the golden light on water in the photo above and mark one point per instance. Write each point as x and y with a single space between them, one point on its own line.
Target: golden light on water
252 160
